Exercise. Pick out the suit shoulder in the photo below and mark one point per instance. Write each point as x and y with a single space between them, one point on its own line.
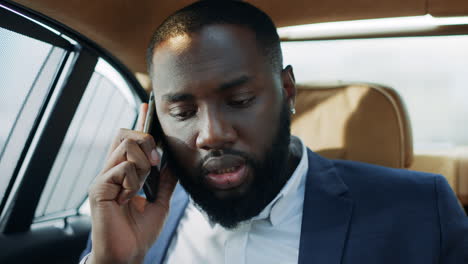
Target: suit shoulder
362 171
378 181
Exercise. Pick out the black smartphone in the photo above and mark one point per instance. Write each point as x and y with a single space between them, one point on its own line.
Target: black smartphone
152 127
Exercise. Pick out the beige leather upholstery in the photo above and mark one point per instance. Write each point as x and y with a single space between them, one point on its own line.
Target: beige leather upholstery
369 123
452 163
462 187
361 122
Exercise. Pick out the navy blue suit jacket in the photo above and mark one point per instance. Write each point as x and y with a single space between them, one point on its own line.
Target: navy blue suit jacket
358 213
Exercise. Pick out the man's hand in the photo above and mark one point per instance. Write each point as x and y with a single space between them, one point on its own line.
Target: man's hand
125 225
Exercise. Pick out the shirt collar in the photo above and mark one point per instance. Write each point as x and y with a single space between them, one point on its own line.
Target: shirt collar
291 195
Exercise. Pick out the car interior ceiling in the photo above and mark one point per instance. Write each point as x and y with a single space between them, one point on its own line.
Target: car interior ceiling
132 24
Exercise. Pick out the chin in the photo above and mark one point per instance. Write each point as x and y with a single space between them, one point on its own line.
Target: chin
237 192
232 193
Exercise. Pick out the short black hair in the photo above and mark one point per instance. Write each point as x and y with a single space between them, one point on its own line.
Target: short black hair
194 17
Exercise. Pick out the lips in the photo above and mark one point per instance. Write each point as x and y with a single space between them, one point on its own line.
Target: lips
225 172
228 170
227 180
224 162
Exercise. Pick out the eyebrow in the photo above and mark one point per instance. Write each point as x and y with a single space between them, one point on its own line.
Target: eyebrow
234 83
180 97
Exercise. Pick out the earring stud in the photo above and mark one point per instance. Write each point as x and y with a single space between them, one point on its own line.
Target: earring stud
293 110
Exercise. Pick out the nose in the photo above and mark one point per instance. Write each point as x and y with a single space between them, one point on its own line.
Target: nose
215 132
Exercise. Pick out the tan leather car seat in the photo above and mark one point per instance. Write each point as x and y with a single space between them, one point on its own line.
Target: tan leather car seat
369 123
451 162
360 122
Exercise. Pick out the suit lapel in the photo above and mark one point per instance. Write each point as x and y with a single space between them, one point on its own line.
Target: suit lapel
326 214
325 221
157 252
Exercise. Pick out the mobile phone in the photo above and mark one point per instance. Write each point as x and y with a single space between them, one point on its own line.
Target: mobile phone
152 126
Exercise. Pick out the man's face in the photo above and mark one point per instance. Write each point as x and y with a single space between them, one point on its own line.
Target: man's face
224 111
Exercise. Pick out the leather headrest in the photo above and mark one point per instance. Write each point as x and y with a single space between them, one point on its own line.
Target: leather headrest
360 122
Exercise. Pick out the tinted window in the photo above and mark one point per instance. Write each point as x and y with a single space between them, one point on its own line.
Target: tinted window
27 69
104 108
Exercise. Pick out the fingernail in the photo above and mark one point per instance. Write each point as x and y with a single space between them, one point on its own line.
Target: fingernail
154 156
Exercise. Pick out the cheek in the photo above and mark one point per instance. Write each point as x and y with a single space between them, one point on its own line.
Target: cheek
180 139
181 132
182 152
258 125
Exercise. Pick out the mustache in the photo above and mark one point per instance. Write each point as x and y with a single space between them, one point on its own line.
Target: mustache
217 153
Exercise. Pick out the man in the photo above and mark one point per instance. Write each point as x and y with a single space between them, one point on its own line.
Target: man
251 192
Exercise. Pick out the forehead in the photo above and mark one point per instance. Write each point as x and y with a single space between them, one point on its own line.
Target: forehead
211 56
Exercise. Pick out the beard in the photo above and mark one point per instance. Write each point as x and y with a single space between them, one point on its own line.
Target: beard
269 177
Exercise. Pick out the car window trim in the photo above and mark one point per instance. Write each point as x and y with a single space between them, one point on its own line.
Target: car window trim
21 25
19 215
21 207
16 21
32 132
86 43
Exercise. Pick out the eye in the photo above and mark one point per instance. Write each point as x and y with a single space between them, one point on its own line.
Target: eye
182 113
241 101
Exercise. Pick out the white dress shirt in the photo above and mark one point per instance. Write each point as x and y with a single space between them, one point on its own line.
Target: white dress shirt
270 237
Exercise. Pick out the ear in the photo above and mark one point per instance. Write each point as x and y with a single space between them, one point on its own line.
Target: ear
289 85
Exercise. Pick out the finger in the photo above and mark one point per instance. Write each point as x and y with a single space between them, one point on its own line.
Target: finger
136 155
148 145
123 131
131 183
129 150
118 184
145 141
141 117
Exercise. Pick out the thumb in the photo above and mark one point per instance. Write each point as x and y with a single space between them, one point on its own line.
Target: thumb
141 117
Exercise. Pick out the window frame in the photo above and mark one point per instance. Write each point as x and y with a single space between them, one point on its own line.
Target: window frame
17 23
45 138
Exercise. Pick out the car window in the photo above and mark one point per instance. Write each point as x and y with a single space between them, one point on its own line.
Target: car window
62 100
430 73
105 107
18 77
25 83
